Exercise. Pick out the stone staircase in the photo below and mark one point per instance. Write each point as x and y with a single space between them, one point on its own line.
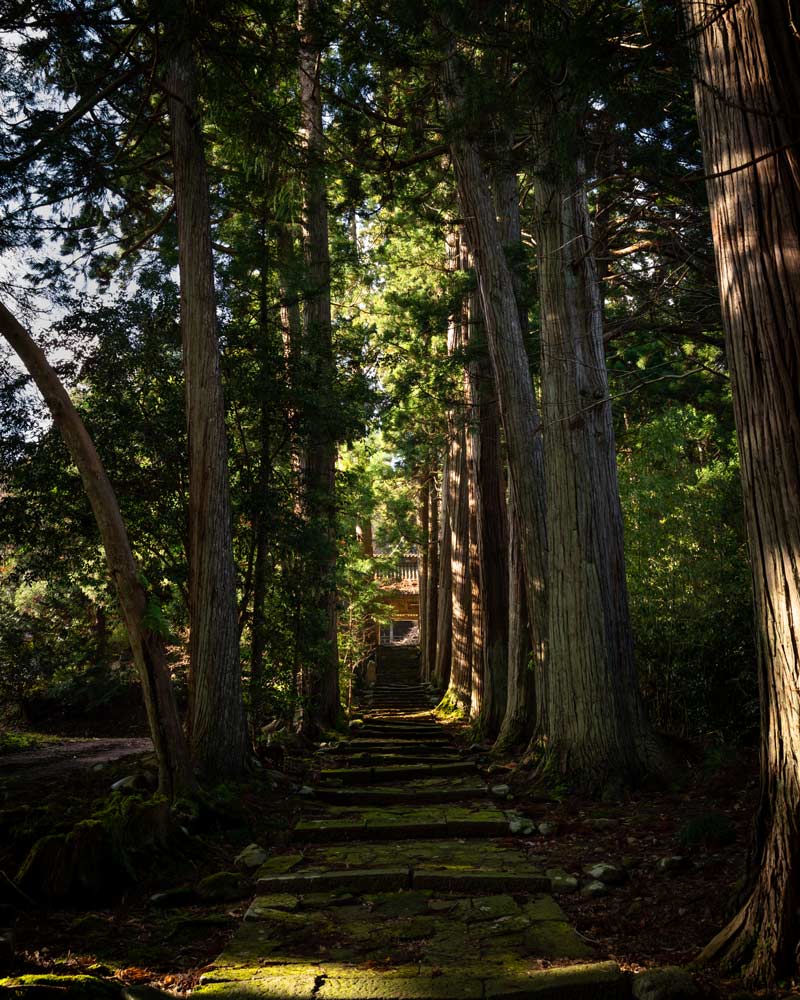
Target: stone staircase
403 880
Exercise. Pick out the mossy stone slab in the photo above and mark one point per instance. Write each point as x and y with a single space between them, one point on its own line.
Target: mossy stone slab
279 864
598 981
474 882
555 939
50 987
355 880
398 904
273 901
377 987
492 908
271 988
543 908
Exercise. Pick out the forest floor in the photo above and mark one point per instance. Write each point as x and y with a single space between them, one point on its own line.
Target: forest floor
677 853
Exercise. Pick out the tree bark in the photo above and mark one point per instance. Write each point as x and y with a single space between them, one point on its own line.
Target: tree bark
423 572
432 612
320 672
217 723
175 778
509 359
747 93
597 733
520 718
444 618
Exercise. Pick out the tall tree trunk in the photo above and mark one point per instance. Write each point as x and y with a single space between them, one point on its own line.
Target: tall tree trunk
458 692
175 778
520 719
258 642
321 672
748 93
432 596
423 570
490 533
444 617
509 359
597 732
217 723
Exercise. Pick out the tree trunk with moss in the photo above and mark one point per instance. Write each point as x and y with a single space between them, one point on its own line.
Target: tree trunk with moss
747 93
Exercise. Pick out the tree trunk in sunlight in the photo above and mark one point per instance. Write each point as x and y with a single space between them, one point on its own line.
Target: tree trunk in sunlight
509 359
175 778
748 94
444 617
217 724
458 692
423 563
595 723
489 541
432 597
320 671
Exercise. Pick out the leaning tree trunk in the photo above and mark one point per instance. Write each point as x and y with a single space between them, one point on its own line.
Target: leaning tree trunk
321 670
175 778
748 95
509 359
217 723
596 729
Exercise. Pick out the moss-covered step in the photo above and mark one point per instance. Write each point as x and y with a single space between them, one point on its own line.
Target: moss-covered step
479 881
352 880
409 946
416 792
435 855
403 823
401 772
389 746
402 756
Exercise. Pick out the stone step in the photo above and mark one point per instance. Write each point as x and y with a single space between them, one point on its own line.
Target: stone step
404 772
388 796
401 758
358 746
402 823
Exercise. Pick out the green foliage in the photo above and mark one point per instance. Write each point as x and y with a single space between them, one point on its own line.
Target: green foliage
688 575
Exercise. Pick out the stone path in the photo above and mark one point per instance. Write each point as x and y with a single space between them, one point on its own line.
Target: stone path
403 882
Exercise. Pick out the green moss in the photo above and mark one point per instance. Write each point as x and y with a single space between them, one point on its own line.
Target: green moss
60 988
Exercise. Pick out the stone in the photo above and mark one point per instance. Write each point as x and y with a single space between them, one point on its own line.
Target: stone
670 864
180 896
548 828
563 883
305 790
223 887
278 864
264 906
252 857
669 983
599 981
501 791
602 871
594 889
131 783
53 987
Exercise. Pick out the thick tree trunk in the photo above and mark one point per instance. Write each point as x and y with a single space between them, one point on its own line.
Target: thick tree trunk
489 538
217 724
444 617
520 719
321 672
509 359
175 778
596 728
748 93
432 596
258 642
